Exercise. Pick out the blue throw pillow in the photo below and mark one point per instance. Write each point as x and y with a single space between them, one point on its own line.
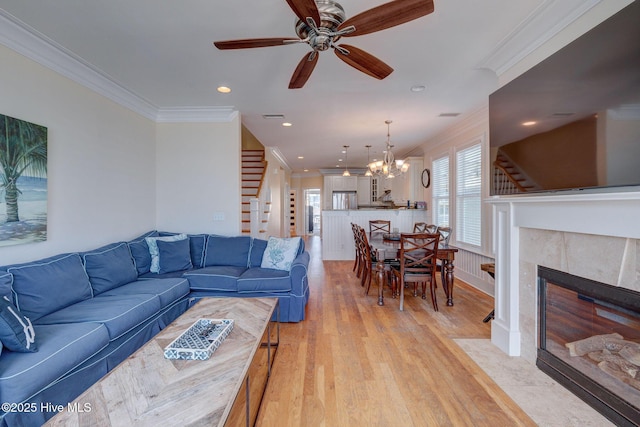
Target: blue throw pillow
140 252
257 250
232 251
5 284
280 253
197 243
173 256
153 248
16 331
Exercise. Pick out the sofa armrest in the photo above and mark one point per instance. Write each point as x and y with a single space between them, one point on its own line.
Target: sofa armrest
298 274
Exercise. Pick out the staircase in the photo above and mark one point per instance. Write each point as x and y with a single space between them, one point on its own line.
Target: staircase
253 183
508 178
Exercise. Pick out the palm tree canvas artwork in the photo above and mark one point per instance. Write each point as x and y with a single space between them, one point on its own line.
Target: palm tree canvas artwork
23 182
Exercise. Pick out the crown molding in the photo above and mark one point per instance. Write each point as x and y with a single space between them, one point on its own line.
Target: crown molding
547 20
196 115
29 42
275 151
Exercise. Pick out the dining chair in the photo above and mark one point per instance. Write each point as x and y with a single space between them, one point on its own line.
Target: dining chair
358 258
445 236
369 261
417 264
377 226
420 227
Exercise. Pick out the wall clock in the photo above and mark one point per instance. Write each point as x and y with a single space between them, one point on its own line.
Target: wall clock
426 178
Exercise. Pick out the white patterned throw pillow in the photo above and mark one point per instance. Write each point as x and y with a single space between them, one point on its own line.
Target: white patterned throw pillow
153 249
280 253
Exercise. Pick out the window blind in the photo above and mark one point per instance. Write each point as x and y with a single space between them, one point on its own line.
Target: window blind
468 195
440 192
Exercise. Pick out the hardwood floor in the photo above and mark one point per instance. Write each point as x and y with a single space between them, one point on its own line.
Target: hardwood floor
353 363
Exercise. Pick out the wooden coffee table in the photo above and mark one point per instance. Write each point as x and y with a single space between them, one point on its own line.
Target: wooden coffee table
149 390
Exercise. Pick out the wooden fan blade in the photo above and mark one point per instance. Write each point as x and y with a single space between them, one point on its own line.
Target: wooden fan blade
387 15
304 70
304 9
250 43
365 62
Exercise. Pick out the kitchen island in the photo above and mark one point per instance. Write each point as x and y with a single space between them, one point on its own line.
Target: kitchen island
337 236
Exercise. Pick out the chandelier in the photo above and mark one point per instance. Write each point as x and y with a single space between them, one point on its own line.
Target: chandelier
388 167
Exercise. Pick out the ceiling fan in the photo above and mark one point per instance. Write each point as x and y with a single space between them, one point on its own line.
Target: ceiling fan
321 23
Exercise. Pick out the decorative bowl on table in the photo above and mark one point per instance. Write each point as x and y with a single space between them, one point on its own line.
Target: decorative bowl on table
391 236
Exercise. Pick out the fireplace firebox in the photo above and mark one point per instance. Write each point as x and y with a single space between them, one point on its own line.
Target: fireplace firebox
590 342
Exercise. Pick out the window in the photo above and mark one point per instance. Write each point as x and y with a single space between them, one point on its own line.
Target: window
440 179
468 194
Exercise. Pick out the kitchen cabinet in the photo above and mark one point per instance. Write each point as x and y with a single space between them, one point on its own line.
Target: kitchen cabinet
364 190
345 183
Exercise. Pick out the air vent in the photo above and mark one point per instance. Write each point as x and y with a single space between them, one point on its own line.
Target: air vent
449 114
561 114
273 116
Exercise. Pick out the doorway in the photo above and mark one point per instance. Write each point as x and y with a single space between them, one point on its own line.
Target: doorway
312 211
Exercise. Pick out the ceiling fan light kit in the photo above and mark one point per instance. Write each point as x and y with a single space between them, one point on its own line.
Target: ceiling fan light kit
321 23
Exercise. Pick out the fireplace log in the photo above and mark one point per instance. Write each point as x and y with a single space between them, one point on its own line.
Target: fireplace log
604 356
593 343
631 352
613 370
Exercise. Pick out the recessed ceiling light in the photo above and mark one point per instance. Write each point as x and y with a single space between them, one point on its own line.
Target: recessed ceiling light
306 170
287 124
301 157
531 123
417 88
224 89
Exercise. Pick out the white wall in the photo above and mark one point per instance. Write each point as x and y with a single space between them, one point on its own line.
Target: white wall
198 177
101 162
114 174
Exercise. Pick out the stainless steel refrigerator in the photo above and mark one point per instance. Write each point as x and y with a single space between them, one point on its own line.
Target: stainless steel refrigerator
343 200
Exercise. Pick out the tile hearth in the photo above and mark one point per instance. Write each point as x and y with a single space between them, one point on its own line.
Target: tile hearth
548 403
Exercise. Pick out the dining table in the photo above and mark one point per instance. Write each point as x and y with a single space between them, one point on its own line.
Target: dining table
388 247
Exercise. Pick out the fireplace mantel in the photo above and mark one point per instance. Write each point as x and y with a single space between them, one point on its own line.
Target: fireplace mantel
603 214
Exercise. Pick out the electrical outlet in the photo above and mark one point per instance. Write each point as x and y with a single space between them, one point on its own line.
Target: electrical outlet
218 216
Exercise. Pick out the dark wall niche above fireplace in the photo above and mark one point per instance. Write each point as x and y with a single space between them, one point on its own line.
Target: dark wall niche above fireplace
590 342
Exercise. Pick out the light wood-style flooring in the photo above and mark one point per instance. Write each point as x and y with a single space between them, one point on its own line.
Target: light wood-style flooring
353 363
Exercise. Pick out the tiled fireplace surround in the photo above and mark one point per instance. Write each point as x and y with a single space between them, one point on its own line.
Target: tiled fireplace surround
594 235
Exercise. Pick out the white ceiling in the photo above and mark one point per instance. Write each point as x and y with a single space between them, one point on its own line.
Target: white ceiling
161 54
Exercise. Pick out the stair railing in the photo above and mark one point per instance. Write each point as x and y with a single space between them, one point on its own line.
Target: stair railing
508 186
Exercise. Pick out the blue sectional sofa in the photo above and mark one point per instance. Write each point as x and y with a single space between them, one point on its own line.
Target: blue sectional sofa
69 319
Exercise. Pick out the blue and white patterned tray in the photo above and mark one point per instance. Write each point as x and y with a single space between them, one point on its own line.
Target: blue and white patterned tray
200 340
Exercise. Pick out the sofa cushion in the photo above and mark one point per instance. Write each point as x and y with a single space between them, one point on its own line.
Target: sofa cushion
16 331
109 267
5 284
222 250
119 313
264 280
44 286
140 252
218 278
153 248
61 348
280 253
167 290
173 256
